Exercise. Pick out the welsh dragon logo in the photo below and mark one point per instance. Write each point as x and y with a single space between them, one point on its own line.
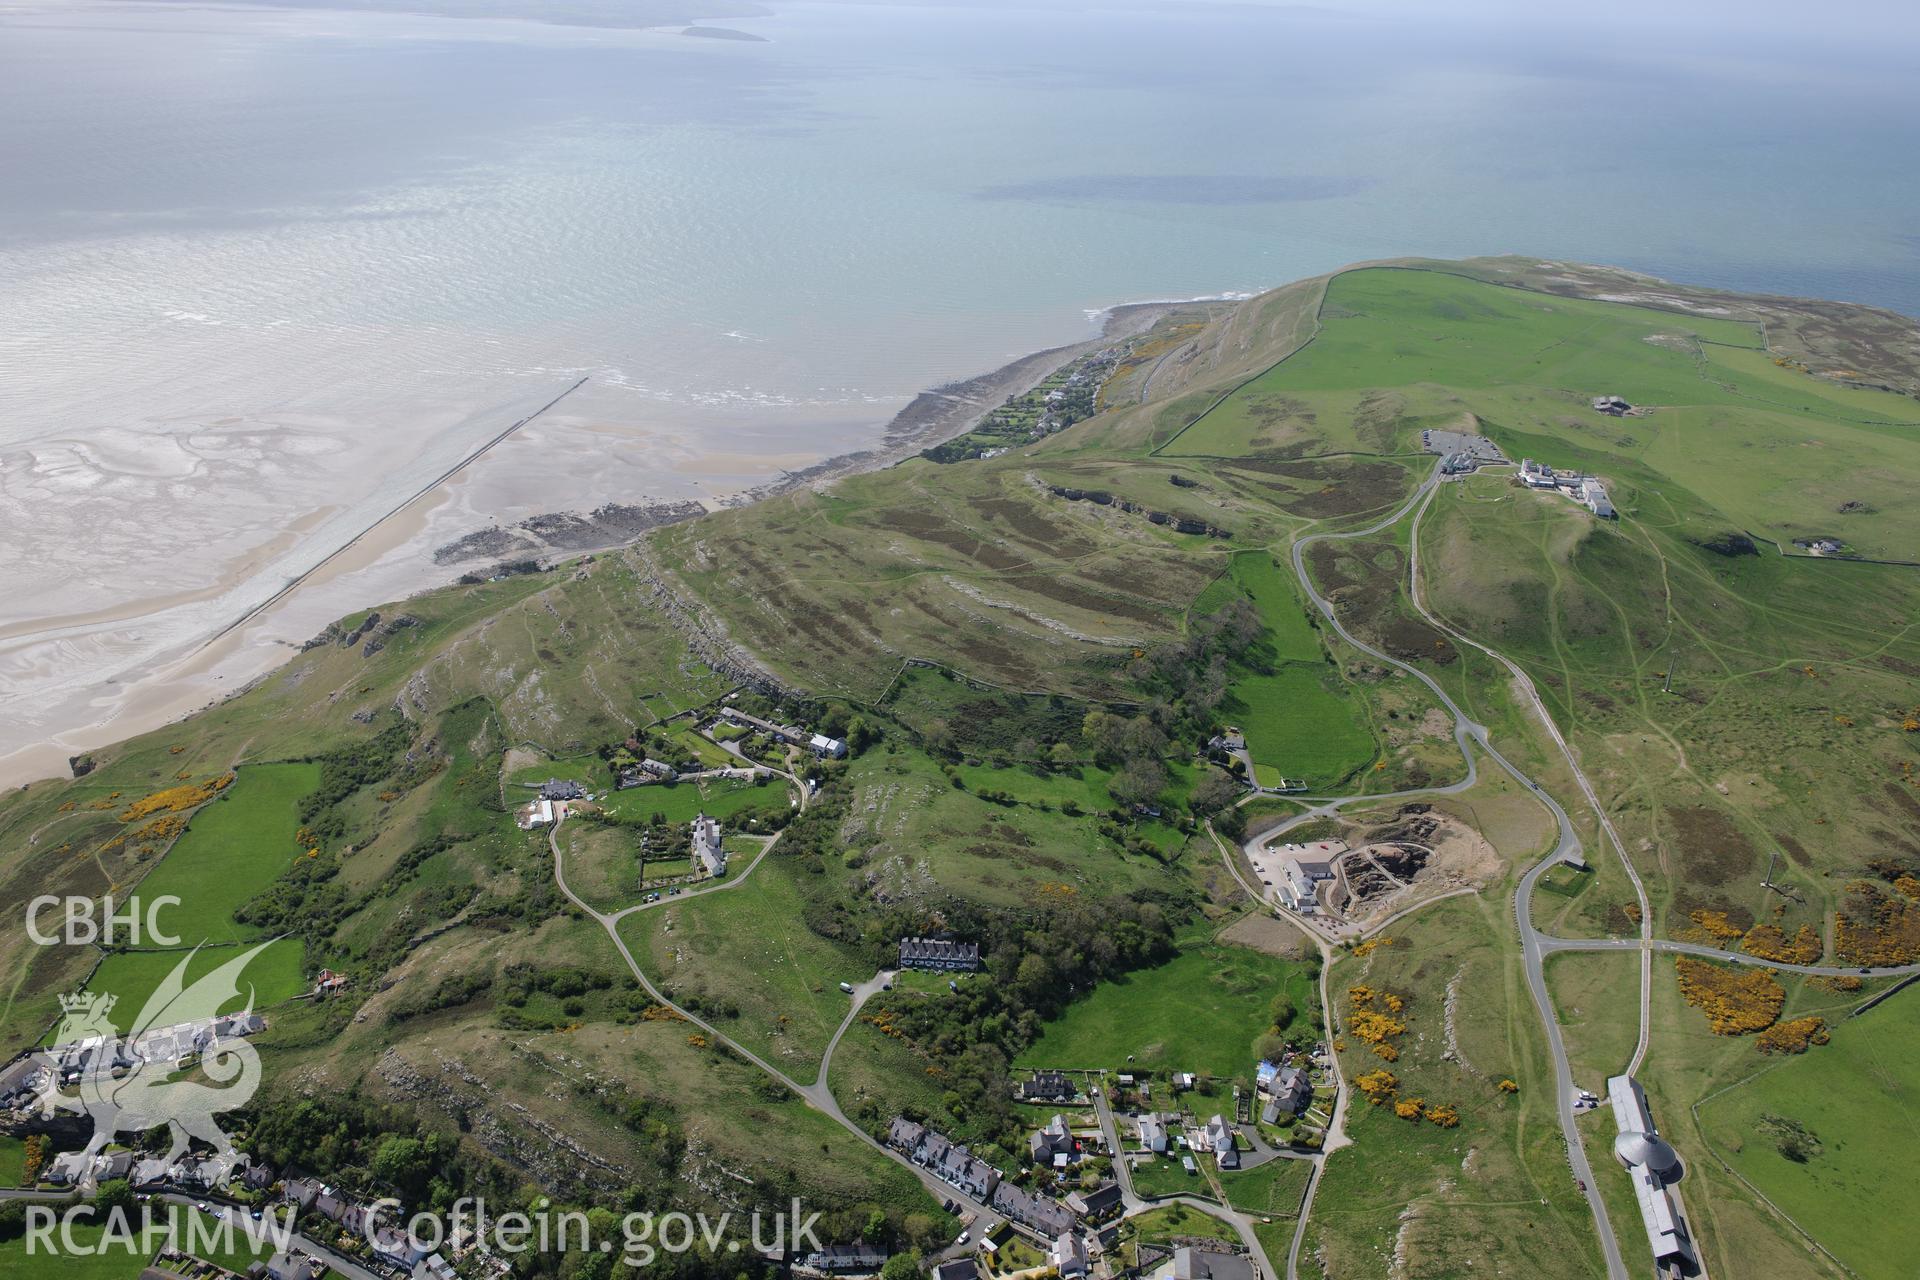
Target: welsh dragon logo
157 1073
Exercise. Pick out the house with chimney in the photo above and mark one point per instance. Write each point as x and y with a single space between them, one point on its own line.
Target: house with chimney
939 954
1052 1144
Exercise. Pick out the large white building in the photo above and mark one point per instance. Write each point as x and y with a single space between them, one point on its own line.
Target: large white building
1652 1165
709 851
1300 871
1594 495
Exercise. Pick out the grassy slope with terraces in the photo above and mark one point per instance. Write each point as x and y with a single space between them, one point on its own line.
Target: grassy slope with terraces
1037 603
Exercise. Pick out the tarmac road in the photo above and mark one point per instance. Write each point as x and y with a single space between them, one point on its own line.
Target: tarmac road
1471 736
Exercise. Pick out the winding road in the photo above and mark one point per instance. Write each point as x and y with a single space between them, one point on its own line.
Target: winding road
1474 741
817 1093
1470 735
1535 945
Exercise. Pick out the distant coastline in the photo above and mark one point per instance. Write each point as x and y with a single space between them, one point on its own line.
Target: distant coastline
724 33
187 684
932 417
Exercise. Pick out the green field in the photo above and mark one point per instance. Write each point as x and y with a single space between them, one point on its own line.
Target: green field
1596 996
589 771
1084 785
121 1257
719 798
13 1157
1271 1190
603 863
745 952
1860 1099
1564 881
993 852
1401 349
1159 1226
1166 1176
1272 589
1302 724
1199 1012
235 847
701 748
132 976
112 1261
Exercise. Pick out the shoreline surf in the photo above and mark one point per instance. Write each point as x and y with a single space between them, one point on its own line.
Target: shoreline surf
233 656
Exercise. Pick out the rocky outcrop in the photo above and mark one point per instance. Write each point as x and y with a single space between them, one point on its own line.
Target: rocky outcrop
505 1128
1172 520
567 531
704 633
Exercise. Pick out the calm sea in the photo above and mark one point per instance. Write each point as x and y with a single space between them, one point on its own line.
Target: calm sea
216 210
264 270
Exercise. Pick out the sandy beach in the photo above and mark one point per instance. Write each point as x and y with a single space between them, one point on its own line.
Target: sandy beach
93 675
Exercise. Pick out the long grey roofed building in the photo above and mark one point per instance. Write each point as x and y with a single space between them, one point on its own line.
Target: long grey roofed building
938 953
1651 1164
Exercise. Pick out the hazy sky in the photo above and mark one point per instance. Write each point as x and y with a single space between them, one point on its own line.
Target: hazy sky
1877 29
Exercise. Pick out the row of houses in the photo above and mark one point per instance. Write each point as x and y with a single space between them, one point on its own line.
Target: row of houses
26 1081
856 1259
1048 1086
944 1158
390 1244
1040 1214
172 1047
187 1174
200 1175
942 955
953 1164
794 735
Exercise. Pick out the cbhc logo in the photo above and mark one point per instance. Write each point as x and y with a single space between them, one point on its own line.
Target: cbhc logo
84 921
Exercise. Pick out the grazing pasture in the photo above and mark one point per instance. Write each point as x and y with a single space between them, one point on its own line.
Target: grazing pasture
1826 1133
132 976
234 848
725 799
1200 1011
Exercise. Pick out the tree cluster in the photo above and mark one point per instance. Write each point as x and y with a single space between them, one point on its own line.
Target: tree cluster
1034 967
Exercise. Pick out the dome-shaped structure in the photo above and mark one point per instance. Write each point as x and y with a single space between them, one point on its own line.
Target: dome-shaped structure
1648 1150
